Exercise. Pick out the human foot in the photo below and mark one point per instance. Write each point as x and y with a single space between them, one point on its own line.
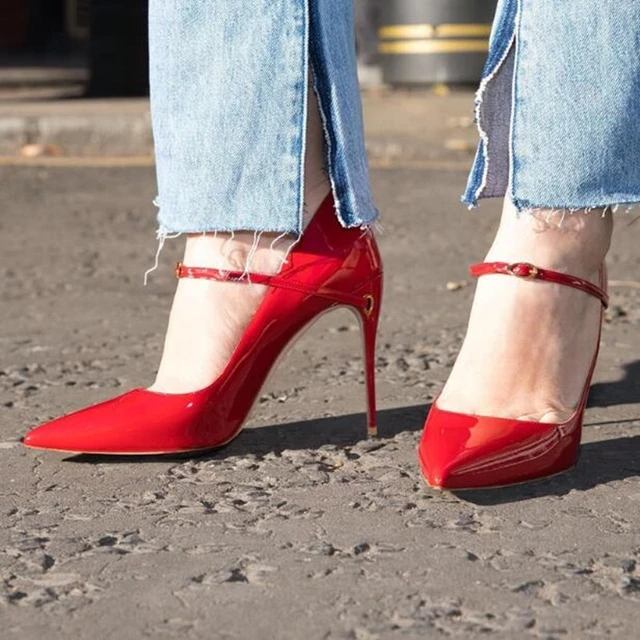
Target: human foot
207 317
331 266
530 344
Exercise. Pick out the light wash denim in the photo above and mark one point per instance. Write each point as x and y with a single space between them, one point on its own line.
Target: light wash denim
229 82
559 106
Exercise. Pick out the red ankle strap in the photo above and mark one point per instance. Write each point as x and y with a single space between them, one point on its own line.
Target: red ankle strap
220 275
528 271
365 302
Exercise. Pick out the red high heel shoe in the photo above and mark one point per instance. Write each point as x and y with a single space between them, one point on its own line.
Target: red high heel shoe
330 267
512 451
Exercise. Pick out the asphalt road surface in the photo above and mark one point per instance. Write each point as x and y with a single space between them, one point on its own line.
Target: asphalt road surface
301 528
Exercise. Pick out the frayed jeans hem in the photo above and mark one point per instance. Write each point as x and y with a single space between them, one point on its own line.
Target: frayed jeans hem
615 205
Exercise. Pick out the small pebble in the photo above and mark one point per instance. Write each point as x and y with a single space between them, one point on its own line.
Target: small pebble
455 286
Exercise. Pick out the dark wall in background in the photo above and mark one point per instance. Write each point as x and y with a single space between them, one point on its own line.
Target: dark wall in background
47 31
14 24
119 48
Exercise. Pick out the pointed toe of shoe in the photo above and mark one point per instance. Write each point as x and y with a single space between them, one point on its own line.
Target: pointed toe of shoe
460 451
103 428
137 423
444 472
40 438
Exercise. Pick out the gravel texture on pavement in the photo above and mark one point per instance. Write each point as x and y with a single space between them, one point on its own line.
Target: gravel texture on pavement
302 527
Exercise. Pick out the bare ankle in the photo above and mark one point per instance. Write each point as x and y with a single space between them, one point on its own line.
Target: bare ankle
576 241
238 251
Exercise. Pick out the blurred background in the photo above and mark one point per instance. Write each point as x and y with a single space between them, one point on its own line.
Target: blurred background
74 78
98 48
80 47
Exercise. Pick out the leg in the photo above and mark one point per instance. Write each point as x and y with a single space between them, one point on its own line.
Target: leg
529 346
198 345
245 156
513 406
239 182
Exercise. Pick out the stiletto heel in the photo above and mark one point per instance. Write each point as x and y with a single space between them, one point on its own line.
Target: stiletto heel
330 267
463 451
369 318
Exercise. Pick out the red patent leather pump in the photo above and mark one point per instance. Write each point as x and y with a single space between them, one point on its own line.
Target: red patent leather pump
330 267
460 451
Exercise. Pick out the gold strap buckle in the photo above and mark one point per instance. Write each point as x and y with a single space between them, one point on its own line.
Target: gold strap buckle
524 270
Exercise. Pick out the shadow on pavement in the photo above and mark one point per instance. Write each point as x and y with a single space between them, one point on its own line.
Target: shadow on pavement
310 434
624 391
600 463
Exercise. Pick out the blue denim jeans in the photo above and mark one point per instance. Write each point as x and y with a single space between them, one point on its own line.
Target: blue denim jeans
229 82
559 106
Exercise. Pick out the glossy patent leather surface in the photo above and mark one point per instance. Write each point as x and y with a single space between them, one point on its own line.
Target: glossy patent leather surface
527 271
461 451
329 267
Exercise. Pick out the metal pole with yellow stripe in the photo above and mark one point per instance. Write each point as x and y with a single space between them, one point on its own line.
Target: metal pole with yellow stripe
429 41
